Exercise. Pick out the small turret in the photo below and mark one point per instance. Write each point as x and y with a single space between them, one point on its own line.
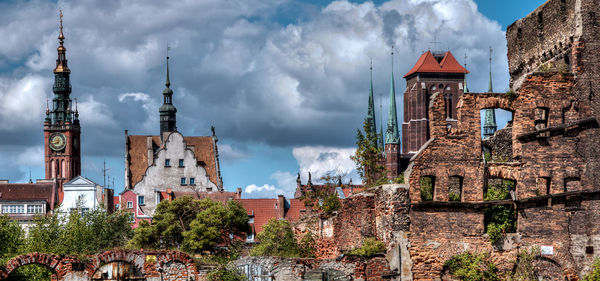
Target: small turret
167 111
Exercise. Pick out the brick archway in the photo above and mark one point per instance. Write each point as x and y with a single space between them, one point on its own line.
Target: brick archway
135 258
164 260
53 262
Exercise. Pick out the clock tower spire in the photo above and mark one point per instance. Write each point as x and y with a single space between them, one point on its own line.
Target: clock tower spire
61 125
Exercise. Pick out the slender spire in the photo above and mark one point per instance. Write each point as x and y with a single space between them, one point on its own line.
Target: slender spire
392 135
490 88
61 61
466 89
372 123
489 123
381 121
167 111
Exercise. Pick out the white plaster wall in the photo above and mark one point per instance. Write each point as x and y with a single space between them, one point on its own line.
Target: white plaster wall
87 192
159 177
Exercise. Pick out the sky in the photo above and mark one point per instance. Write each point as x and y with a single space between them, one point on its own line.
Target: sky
285 82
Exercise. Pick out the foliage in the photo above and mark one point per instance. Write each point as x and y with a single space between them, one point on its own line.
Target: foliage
223 273
331 203
426 187
325 199
454 196
499 219
307 246
60 234
370 246
193 225
594 274
276 239
510 94
487 156
470 267
399 179
368 157
524 265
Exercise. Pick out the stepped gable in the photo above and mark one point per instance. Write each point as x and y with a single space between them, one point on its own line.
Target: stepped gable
138 154
427 63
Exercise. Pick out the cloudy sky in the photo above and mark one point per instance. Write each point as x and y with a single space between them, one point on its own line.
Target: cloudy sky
285 82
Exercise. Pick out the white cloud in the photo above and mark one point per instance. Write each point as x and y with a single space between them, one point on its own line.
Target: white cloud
95 113
229 153
150 107
23 101
31 156
320 161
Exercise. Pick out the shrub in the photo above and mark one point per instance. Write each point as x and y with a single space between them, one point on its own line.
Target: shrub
594 274
307 246
426 186
454 196
222 273
470 267
399 179
276 239
369 247
524 265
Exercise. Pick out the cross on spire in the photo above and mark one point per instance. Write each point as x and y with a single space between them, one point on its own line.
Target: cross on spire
435 43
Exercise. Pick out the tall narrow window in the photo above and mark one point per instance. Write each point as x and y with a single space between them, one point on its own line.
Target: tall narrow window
455 188
182 181
181 163
192 181
541 120
167 162
427 184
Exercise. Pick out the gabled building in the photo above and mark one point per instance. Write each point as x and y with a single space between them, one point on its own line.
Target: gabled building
170 161
23 201
83 195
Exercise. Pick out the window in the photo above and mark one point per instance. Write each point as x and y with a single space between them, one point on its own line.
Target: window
116 206
182 181
13 209
541 120
181 163
84 211
192 181
141 200
251 220
129 205
131 217
427 184
35 209
250 237
455 188
167 162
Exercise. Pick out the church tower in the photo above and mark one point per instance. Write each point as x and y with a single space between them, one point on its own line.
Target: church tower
489 123
61 126
167 111
392 137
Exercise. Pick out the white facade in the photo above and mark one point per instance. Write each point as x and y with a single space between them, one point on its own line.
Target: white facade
174 167
83 191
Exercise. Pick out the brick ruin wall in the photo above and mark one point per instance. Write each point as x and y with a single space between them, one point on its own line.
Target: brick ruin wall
554 154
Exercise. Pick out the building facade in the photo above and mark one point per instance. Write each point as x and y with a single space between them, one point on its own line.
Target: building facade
170 161
23 201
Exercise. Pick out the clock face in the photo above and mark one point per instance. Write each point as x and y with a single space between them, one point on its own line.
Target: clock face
57 141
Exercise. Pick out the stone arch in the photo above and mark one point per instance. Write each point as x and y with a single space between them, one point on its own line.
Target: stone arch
173 260
53 262
494 101
133 257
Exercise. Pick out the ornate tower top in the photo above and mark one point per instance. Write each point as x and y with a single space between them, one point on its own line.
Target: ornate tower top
61 61
392 135
167 111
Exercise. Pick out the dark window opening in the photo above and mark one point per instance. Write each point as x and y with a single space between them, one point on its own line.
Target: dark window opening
543 186
181 163
455 188
427 186
572 184
541 121
496 143
167 162
499 219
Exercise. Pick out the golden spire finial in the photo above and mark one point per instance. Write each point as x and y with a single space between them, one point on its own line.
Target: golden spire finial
61 37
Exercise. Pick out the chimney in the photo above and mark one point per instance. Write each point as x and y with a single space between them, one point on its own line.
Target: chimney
238 193
150 150
280 206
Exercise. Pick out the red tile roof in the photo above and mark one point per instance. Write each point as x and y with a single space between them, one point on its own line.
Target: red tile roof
222 196
428 64
293 213
263 210
29 192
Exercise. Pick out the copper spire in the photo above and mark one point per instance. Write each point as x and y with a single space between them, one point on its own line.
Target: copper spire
61 61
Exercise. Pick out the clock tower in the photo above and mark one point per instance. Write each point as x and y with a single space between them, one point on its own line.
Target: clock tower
61 126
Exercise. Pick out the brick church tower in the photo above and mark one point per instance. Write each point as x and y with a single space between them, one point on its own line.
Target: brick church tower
392 136
433 73
61 126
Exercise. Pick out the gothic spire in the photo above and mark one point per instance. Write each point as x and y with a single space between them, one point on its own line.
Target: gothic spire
372 123
466 89
167 110
489 123
61 103
392 135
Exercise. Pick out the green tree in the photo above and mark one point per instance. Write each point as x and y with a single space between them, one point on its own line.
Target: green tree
192 225
368 157
276 239
11 238
223 273
307 246
499 219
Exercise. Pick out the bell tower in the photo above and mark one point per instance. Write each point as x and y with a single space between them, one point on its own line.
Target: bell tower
61 125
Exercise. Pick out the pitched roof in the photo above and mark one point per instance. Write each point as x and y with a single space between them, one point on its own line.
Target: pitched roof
428 64
293 213
222 196
29 192
138 155
263 210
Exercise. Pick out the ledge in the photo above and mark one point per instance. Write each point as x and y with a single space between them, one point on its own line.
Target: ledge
529 136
